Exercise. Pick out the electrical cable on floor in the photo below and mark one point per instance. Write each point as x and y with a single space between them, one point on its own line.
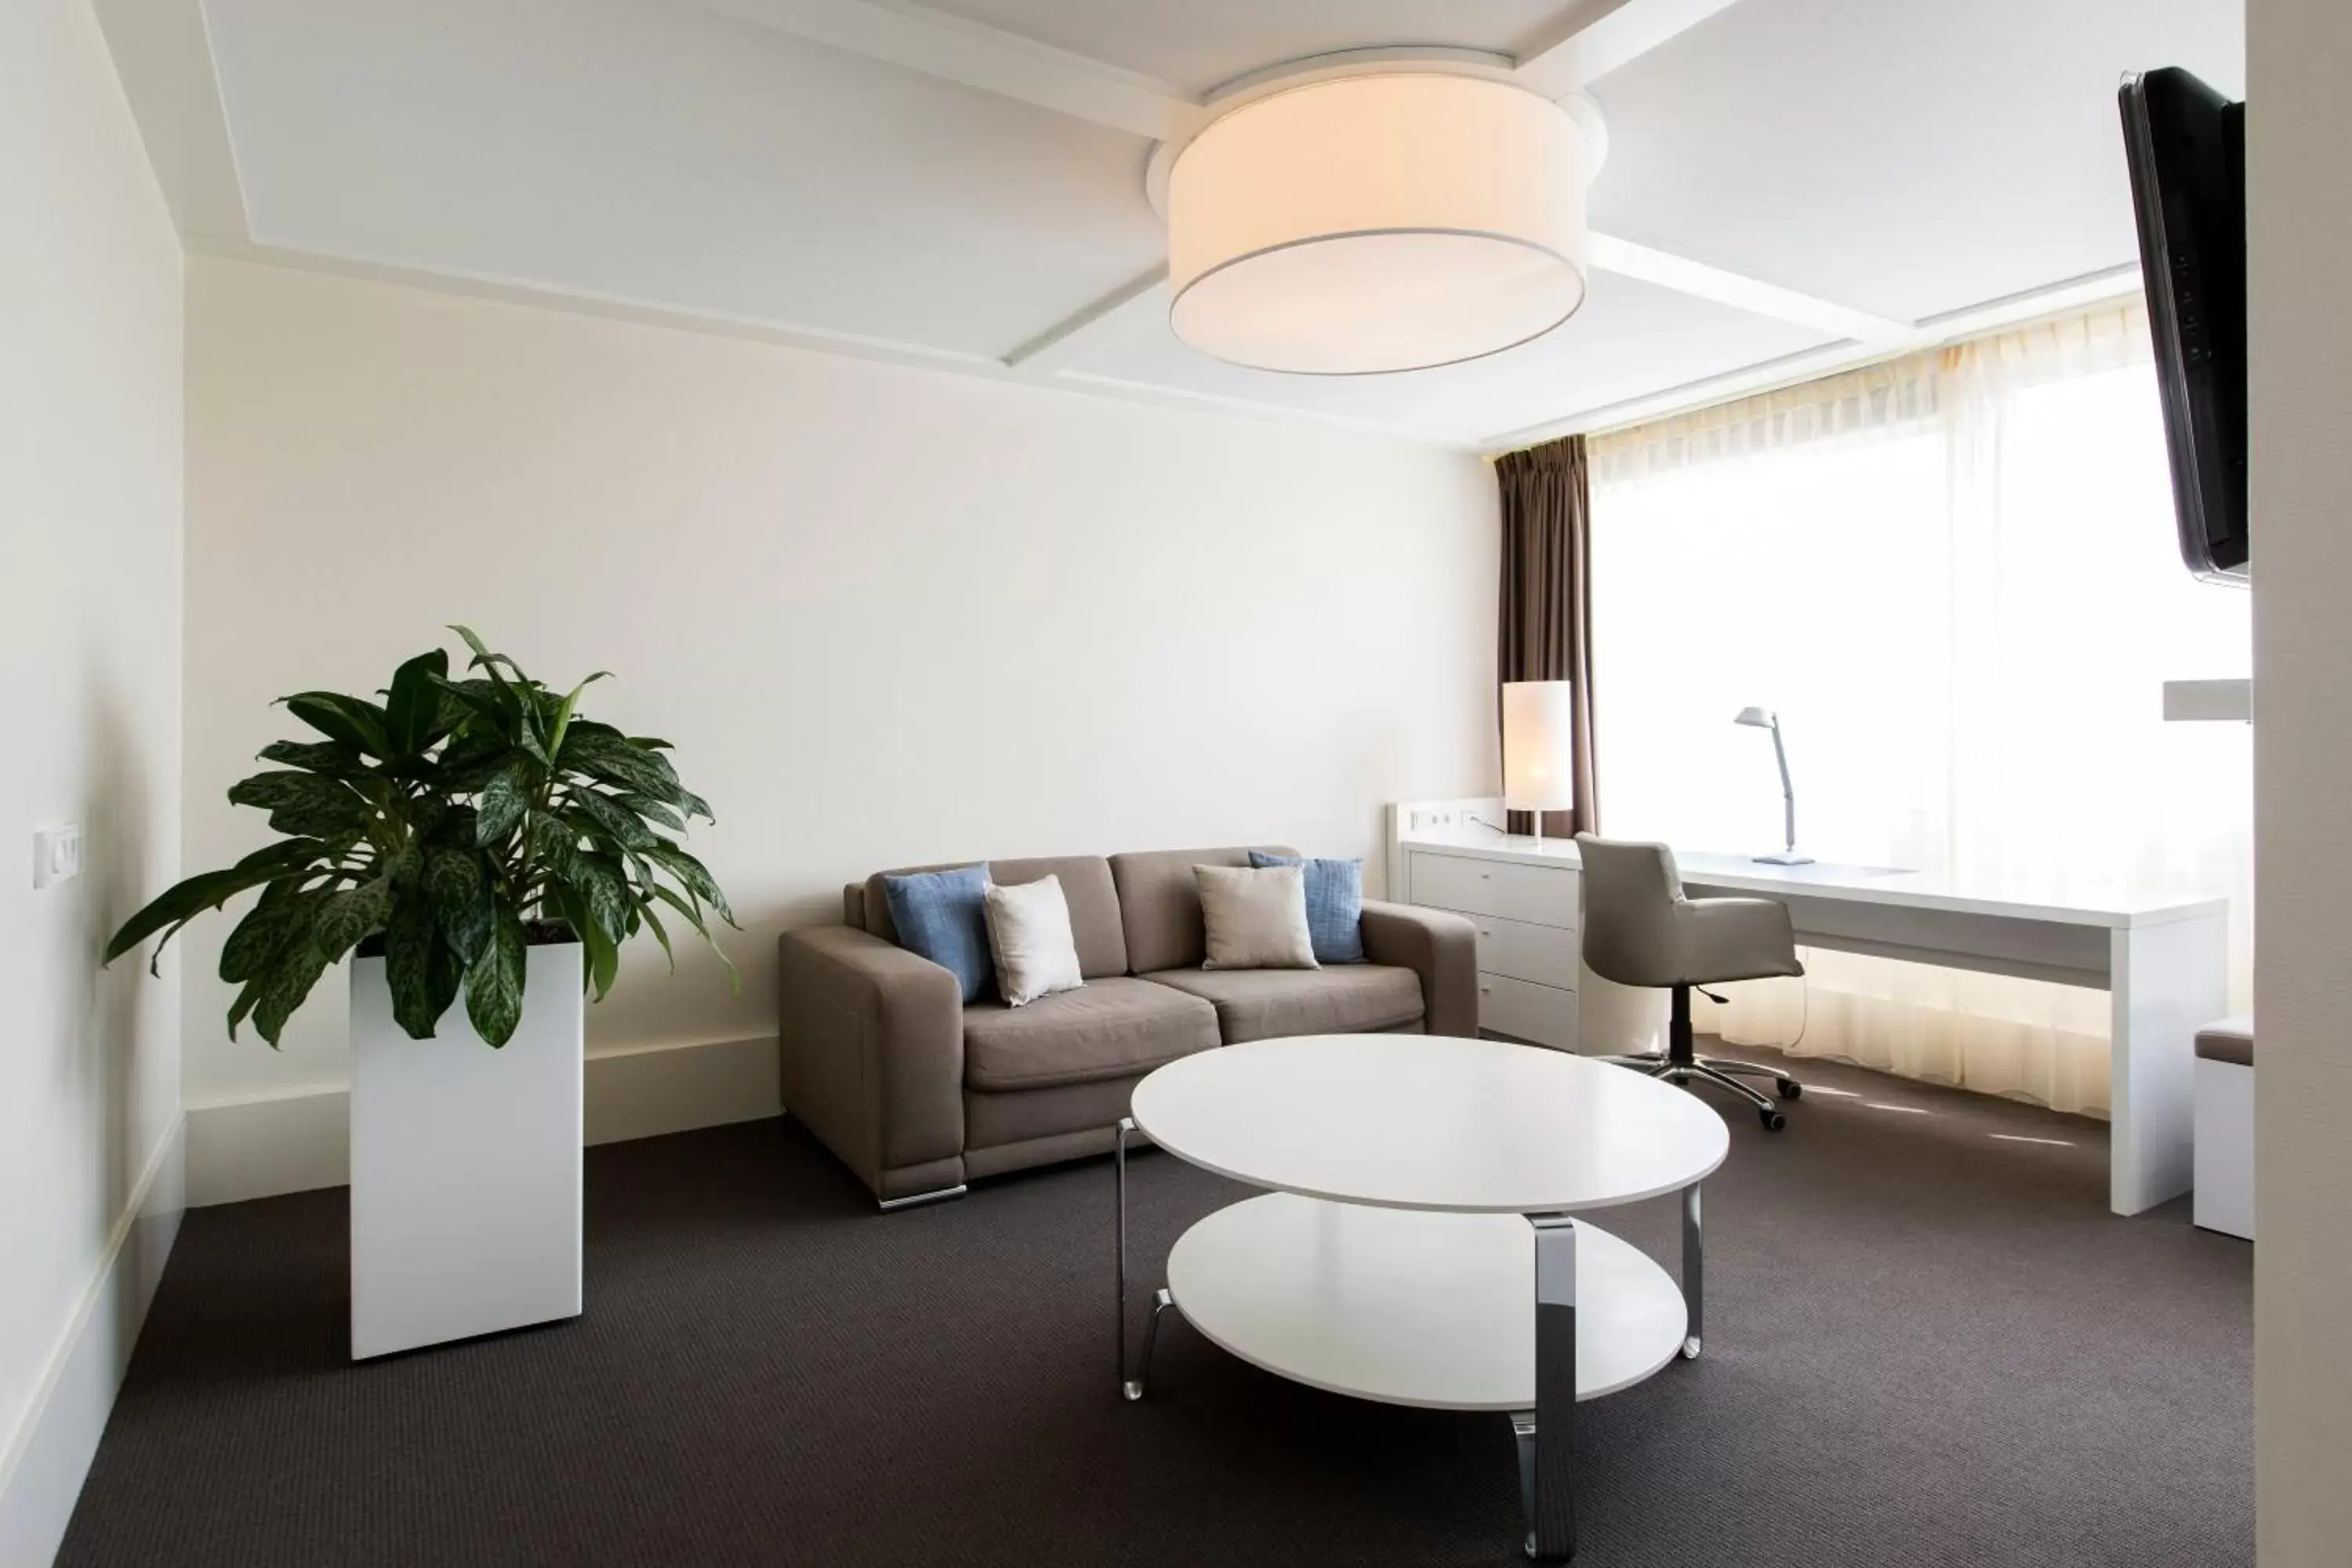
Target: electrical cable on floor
1805 1017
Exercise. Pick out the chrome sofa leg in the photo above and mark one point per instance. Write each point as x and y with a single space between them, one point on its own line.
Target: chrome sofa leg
916 1200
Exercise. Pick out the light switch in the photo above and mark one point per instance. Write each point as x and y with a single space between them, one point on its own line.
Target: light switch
56 855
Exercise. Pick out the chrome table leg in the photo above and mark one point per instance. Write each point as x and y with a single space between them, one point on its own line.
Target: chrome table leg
1548 1451
1161 1301
1130 1388
1694 1272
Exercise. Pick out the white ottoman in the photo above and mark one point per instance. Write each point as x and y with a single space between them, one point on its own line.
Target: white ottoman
2225 1127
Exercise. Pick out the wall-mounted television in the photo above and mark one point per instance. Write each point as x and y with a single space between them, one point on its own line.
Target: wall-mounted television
2185 145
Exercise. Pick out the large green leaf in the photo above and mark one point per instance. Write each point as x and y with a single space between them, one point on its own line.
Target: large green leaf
504 802
347 917
177 905
661 934
554 844
603 953
460 898
693 875
283 989
243 1006
694 916
303 804
621 764
333 758
607 818
599 881
282 917
652 810
494 983
417 967
563 713
412 708
350 719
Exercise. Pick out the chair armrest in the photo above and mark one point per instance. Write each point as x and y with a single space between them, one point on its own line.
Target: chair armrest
1736 939
1441 947
870 1041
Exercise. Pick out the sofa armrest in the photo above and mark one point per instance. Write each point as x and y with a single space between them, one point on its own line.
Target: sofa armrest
871 1055
1441 947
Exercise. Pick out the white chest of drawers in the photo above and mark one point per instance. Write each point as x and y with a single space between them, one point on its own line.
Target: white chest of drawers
1525 902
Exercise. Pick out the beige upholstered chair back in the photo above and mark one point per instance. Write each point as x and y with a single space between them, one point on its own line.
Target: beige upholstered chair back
1631 891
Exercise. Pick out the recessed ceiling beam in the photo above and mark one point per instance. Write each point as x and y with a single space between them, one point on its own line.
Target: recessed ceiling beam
162 51
1108 322
1585 49
1607 253
985 57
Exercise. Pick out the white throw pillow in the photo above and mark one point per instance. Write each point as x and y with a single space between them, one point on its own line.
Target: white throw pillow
1255 919
1029 935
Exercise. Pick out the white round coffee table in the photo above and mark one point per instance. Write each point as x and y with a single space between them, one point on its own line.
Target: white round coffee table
1413 1244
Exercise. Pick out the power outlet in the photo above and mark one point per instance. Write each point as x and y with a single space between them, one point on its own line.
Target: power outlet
56 855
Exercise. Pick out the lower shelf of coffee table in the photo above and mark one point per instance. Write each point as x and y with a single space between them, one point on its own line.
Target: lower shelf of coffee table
1410 1306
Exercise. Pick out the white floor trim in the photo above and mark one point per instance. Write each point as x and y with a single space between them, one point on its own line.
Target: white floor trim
47 1457
295 1142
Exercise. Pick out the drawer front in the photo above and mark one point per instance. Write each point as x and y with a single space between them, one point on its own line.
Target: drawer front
1540 895
1547 954
1521 1008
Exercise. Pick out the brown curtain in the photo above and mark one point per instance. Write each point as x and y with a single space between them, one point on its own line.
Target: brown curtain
1546 617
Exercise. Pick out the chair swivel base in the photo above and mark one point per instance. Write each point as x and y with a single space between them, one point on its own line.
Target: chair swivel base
1721 1073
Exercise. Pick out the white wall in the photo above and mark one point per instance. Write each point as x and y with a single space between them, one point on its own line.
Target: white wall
888 615
89 635
2299 235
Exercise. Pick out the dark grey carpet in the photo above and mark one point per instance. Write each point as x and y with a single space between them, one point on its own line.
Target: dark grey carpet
1924 1345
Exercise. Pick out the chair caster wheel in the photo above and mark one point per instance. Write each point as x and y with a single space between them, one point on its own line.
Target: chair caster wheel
1792 1089
1773 1121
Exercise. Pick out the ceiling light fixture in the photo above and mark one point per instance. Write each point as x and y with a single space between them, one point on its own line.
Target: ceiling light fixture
1364 224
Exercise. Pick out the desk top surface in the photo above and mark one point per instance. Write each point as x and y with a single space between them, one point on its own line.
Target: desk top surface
1708 872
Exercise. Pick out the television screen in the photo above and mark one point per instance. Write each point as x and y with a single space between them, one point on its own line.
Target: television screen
2185 145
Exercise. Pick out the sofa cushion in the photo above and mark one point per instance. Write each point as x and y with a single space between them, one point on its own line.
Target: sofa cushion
939 916
1029 933
1335 904
1267 1003
1160 903
1087 885
1255 918
1114 1028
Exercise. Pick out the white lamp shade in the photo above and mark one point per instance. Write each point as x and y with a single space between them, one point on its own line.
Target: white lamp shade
1377 222
1539 745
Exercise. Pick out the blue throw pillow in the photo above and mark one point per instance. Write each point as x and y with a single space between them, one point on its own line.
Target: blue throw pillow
943 916
1335 904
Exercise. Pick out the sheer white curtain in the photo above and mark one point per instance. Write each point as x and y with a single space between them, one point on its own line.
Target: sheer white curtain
1954 577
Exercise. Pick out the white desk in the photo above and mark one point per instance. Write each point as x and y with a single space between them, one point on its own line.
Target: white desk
2163 959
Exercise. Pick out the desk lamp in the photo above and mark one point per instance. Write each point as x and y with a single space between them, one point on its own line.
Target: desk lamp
1538 747
1765 719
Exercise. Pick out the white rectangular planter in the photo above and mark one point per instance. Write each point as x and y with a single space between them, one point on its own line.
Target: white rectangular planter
466 1165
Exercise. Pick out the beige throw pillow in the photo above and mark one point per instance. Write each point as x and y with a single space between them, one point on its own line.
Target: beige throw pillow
1256 918
1029 936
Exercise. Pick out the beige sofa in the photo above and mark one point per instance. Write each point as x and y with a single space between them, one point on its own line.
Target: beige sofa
919 1093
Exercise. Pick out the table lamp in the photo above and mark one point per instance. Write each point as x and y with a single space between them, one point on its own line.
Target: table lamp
1538 747
1765 719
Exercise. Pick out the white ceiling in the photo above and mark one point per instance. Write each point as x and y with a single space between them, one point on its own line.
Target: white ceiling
1791 184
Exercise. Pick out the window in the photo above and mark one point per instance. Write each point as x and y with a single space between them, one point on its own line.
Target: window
1955 579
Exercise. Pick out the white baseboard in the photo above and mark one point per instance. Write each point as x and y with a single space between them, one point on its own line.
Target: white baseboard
293 1142
48 1456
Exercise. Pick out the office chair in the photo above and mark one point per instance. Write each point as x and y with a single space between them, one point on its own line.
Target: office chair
1640 930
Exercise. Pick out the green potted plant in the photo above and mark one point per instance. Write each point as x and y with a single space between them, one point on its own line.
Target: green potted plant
474 839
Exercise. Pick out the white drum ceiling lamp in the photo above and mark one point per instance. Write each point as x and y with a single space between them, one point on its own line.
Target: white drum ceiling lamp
1365 224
